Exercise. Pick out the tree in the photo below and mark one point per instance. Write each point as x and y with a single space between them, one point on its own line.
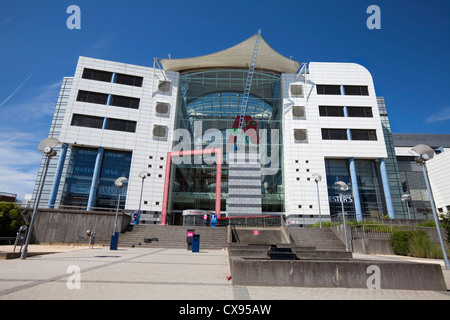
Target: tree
10 219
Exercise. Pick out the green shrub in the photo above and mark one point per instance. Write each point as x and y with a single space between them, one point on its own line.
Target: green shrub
400 242
416 244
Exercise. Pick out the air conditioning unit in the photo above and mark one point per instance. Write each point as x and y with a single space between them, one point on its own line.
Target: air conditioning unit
164 86
296 90
159 132
300 135
298 112
162 108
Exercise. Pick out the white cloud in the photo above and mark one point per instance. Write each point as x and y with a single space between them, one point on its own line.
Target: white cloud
22 126
442 115
19 162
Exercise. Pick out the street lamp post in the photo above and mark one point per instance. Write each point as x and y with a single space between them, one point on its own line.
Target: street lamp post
425 153
143 175
342 187
47 148
317 179
120 184
405 199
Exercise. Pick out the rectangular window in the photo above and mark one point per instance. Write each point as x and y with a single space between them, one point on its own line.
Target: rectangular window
363 112
356 90
97 75
334 134
331 111
125 102
366 135
121 125
328 89
92 97
81 120
129 80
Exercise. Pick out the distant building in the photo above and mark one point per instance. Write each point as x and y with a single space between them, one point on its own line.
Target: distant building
8 197
412 178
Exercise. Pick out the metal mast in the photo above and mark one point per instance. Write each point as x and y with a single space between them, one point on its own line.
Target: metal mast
248 83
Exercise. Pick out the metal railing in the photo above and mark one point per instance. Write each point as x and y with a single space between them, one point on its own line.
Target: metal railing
383 231
67 207
250 221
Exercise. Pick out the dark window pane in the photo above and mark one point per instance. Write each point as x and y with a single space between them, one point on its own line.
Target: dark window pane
331 111
367 135
129 80
356 90
365 112
126 102
87 73
328 89
98 75
80 120
82 96
334 134
138 81
92 97
121 125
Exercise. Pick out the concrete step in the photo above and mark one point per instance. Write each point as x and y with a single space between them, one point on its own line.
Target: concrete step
322 239
173 236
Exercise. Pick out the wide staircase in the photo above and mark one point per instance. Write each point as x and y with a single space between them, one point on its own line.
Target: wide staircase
157 236
322 239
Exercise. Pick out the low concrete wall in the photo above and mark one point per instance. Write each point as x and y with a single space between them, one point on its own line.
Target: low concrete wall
372 246
257 235
70 226
337 274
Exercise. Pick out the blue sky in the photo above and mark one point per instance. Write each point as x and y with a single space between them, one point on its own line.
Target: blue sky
408 56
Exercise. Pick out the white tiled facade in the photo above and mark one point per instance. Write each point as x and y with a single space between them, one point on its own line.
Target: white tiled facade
439 174
141 143
309 157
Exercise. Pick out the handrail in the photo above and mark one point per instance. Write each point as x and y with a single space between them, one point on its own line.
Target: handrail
381 231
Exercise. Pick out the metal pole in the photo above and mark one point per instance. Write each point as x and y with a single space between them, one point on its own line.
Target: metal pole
407 207
140 202
117 212
24 252
343 217
318 202
436 220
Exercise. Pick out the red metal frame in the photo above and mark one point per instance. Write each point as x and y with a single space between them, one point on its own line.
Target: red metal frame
217 151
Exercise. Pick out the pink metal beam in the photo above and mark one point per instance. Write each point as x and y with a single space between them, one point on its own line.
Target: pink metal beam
217 151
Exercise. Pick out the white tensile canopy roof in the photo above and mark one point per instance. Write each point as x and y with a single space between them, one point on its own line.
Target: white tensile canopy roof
239 57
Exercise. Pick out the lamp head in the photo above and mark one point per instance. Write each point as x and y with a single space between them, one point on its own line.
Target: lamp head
120 182
422 153
47 146
143 174
341 186
317 177
406 197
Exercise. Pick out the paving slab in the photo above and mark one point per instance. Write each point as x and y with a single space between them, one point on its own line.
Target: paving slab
159 274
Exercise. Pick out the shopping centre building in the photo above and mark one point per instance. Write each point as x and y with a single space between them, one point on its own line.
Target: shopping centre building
155 125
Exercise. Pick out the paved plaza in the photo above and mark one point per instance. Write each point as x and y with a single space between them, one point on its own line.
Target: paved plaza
160 274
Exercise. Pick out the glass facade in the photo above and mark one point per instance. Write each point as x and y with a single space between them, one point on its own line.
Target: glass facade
210 102
369 188
114 164
392 166
413 183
